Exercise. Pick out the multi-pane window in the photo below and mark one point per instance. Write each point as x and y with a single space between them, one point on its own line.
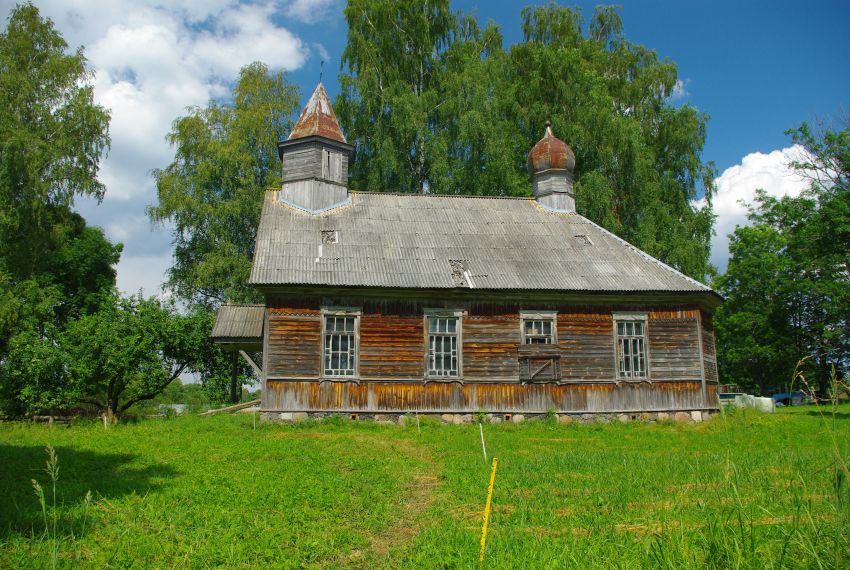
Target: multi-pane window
538 331
443 347
631 348
340 345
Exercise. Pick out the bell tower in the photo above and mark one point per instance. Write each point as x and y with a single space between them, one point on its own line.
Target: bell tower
315 157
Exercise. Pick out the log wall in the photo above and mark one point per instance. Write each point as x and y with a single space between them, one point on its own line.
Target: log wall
392 353
502 397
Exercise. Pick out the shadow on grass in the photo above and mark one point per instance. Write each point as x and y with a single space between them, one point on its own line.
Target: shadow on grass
828 414
107 475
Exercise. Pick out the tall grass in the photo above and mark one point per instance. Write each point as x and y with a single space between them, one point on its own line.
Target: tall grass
51 534
748 490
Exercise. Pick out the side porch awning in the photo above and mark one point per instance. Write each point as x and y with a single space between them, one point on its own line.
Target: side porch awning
239 327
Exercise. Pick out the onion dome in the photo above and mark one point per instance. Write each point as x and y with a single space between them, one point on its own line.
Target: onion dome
550 153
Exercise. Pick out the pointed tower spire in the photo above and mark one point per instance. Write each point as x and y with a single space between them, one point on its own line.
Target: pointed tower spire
318 118
315 158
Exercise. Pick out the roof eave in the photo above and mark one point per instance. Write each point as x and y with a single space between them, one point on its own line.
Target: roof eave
342 146
709 298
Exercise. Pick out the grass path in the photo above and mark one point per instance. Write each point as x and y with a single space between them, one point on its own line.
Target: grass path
409 517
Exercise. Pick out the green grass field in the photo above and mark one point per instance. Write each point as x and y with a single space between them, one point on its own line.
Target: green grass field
745 490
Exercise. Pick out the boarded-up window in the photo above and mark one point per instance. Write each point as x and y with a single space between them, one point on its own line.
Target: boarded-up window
332 166
340 345
631 346
443 356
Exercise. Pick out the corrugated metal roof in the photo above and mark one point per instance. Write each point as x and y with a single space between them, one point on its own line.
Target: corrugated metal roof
239 322
410 241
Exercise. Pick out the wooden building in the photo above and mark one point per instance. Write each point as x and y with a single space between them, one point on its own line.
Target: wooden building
382 303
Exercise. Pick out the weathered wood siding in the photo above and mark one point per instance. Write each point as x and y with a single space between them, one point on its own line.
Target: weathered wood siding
708 349
299 163
295 343
490 347
392 346
437 397
392 354
674 345
587 345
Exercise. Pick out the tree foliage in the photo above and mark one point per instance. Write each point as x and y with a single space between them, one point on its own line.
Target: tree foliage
225 157
788 280
129 351
66 337
53 267
434 103
52 136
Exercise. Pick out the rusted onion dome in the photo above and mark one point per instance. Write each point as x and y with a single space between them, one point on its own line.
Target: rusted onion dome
550 153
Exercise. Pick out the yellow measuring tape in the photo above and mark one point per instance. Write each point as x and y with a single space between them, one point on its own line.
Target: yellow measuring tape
487 511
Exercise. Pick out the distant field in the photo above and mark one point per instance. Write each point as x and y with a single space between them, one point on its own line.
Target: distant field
742 491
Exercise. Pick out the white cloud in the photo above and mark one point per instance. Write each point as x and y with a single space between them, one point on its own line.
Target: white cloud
680 90
310 11
323 53
152 60
143 272
768 172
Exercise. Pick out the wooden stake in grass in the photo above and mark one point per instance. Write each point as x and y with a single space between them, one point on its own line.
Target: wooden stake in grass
484 449
487 511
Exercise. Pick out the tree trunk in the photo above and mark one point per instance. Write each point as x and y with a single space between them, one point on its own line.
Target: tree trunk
823 379
110 415
234 397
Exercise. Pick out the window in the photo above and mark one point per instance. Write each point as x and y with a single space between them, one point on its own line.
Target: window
340 344
631 346
537 331
443 355
538 327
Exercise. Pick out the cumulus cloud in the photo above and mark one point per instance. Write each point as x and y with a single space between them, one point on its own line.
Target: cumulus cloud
769 172
152 60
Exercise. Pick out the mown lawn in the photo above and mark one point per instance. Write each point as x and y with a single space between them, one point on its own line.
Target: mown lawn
742 491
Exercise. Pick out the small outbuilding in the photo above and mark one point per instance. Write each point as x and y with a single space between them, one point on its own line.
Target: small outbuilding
383 303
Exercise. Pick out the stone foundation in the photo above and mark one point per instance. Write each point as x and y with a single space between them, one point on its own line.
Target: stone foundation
494 418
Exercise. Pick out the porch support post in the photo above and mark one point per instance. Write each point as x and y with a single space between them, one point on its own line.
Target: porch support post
234 397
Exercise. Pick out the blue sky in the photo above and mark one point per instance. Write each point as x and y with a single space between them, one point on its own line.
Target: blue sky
757 68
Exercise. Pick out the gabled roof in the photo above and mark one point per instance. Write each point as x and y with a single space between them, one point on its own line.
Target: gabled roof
318 119
239 323
442 242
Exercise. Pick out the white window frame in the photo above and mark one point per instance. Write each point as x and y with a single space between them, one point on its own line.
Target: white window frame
619 356
341 312
426 323
538 316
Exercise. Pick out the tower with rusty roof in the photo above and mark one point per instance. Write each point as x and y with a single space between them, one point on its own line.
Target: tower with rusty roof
315 158
551 163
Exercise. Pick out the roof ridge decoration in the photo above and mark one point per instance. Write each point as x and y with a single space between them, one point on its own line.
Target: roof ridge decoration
318 118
